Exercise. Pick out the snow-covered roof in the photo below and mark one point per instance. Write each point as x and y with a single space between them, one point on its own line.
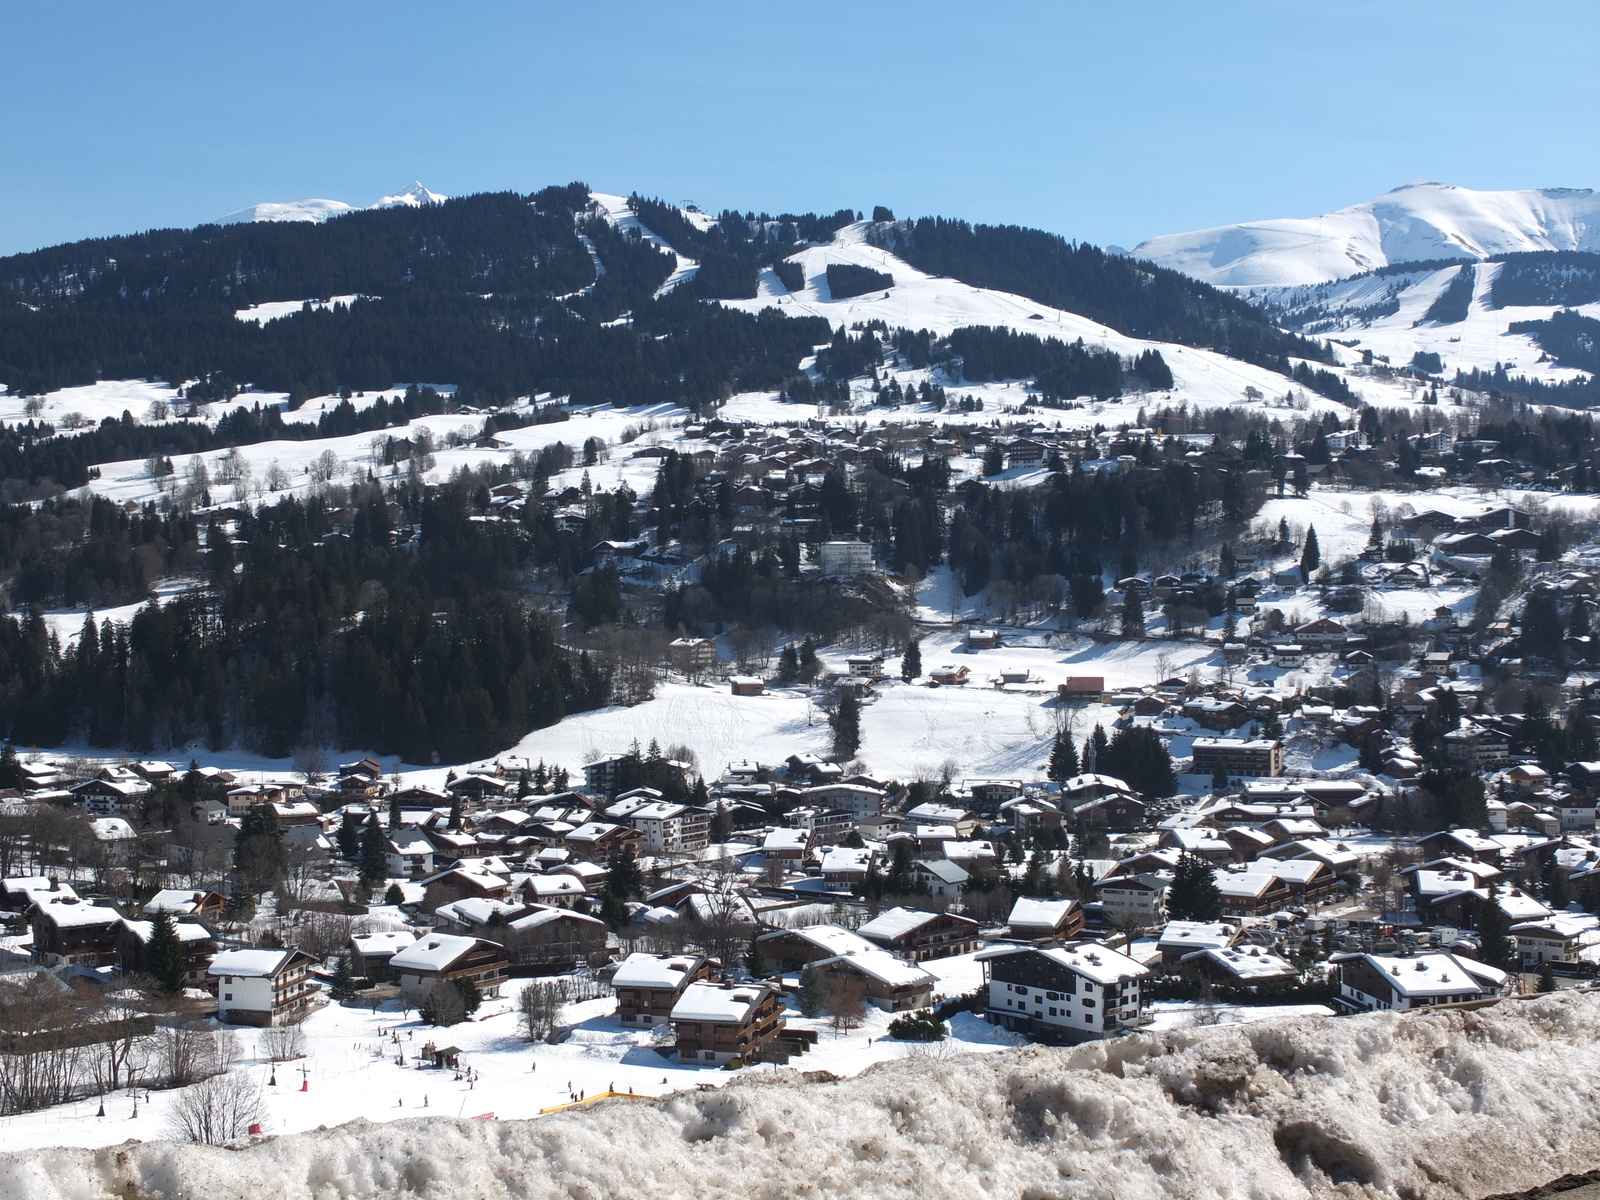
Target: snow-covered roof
654 970
384 942
784 838
188 931
545 916
64 913
260 963
554 885
112 829
1091 960
175 900
886 968
715 1002
896 922
433 952
474 910
1436 974
409 841
846 858
1047 914
832 939
1197 935
1246 962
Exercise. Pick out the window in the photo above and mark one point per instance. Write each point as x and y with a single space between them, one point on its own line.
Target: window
1052 1010
1088 1003
228 996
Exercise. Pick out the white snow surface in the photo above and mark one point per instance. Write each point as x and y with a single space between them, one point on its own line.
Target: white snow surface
1445 1104
1414 222
318 211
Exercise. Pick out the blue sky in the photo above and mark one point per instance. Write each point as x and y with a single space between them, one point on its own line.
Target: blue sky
1103 122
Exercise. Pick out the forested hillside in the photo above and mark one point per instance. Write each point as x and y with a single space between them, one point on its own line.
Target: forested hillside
1135 298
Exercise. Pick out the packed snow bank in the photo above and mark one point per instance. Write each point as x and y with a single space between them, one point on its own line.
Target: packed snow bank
1459 1104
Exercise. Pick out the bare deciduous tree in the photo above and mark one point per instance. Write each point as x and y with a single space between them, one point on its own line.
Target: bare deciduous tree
218 1111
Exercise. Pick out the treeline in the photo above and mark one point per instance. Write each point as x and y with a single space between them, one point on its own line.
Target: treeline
1570 338
1450 306
318 624
1060 370
68 461
1135 298
1564 277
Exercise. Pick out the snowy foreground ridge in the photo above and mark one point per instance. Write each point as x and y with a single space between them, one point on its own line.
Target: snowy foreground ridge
1458 1104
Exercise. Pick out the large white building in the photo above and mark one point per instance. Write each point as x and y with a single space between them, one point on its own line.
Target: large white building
261 987
1064 993
845 558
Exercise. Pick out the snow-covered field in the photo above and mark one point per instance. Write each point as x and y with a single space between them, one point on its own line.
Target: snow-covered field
352 1069
908 730
1449 1104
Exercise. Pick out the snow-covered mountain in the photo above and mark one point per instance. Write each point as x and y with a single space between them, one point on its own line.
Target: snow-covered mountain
1416 222
318 211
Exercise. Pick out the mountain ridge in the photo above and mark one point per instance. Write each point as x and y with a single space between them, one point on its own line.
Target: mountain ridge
1416 221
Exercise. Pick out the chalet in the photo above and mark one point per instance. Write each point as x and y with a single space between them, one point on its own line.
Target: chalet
370 953
461 883
1251 893
917 936
983 639
73 932
133 939
478 788
859 800
110 798
556 939
1044 920
886 982
261 987
990 794
1064 994
941 877
601 842
866 666
1218 715
648 985
949 675
843 866
1322 634
747 685
409 854
719 1023
1378 983
187 902
1559 938
442 957
1182 938
471 915
559 889
1238 966
1135 900
21 892
788 950
1081 689
1475 748
1288 655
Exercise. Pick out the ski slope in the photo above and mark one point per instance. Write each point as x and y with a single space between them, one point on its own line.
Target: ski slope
941 305
1342 309
1414 222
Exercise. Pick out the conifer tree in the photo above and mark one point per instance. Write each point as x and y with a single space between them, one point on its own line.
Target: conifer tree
811 997
1193 895
374 855
1063 758
164 959
846 722
1132 616
1310 555
343 985
754 960
911 660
